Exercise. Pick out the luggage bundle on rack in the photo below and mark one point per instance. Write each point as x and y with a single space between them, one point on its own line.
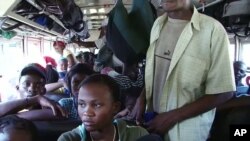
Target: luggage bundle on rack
63 17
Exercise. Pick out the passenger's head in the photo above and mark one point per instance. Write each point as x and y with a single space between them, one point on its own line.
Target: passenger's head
59 46
52 75
175 5
32 80
79 57
98 101
240 69
131 71
13 128
50 61
76 75
83 57
63 64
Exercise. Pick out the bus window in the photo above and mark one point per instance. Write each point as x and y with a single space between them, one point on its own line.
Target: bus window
246 54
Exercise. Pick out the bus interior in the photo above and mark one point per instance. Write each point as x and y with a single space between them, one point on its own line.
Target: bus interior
28 29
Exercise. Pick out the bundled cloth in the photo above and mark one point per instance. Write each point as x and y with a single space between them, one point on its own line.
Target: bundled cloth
128 34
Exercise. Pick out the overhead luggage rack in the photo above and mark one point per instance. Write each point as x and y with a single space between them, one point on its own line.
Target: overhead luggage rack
63 19
8 10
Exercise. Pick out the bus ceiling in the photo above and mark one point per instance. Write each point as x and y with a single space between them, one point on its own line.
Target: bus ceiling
78 20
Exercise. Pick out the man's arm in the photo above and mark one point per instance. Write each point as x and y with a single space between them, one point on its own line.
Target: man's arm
12 107
87 44
203 105
164 121
41 114
54 86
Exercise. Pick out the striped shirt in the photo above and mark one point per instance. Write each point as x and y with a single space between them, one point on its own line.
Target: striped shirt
125 82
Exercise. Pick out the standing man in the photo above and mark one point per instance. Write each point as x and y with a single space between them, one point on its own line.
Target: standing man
188 73
59 47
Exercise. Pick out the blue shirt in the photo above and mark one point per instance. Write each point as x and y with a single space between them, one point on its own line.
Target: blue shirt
69 106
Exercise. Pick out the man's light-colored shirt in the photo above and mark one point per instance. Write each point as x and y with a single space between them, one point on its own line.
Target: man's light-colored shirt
163 54
200 65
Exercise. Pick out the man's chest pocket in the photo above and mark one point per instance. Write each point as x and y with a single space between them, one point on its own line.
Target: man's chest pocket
191 71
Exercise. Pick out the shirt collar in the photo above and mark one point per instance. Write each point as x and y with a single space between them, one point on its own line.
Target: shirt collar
156 29
195 19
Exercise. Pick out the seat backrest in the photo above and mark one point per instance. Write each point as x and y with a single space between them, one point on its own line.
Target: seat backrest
235 111
51 130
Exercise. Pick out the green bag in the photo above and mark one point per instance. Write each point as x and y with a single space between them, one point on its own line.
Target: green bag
7 34
128 34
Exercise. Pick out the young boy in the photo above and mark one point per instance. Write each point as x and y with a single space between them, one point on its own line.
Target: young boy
74 77
13 128
63 67
98 103
31 89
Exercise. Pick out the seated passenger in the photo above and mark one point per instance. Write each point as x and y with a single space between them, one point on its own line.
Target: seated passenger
31 89
63 67
74 77
131 83
52 75
240 69
98 102
13 128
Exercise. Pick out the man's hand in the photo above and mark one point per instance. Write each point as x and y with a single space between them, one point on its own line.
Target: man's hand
122 113
54 106
138 110
163 122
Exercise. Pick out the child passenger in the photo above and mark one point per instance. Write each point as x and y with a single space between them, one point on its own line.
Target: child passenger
63 67
73 78
31 89
13 128
98 103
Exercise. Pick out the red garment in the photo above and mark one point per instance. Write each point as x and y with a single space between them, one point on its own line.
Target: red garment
50 60
59 43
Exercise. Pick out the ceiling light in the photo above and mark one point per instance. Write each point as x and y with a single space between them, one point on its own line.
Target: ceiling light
101 10
84 11
92 11
94 17
102 17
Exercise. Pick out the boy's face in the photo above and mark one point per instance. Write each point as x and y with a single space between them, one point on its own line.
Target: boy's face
31 85
58 49
96 107
239 71
15 135
63 65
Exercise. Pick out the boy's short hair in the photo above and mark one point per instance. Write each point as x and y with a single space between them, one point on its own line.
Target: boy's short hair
34 68
104 80
63 60
14 122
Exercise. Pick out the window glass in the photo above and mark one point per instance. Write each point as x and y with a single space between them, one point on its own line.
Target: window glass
11 56
232 51
34 54
246 53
